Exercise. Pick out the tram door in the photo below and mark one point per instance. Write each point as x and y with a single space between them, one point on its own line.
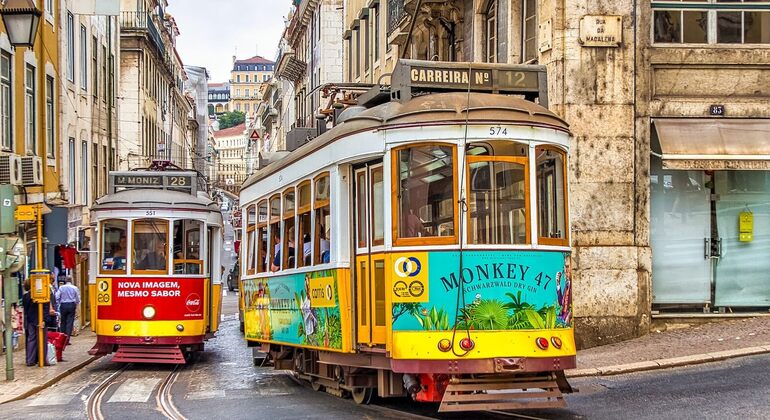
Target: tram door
369 196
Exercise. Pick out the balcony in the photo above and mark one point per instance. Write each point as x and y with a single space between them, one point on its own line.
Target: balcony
141 21
396 14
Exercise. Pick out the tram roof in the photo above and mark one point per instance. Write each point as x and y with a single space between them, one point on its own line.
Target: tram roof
150 198
437 108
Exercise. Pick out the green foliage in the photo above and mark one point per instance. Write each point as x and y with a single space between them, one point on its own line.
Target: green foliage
433 319
400 309
489 314
516 304
231 119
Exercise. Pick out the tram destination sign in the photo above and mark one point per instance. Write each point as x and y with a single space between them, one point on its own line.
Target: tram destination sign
414 77
169 180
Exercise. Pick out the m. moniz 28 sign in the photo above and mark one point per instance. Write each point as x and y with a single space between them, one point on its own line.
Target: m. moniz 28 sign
183 181
412 77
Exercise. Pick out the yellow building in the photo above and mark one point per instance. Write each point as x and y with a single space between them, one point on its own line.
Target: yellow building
29 115
246 78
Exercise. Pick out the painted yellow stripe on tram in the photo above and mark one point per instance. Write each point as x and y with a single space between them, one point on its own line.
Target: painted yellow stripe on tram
423 345
150 328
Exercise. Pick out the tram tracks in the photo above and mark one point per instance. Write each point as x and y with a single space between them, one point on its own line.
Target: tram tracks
163 395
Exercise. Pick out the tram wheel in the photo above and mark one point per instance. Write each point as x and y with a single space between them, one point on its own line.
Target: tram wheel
316 386
362 396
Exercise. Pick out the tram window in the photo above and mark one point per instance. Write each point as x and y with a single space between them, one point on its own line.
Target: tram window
426 193
289 259
497 212
303 223
362 227
274 245
251 242
551 196
150 246
114 249
187 247
378 207
323 218
261 237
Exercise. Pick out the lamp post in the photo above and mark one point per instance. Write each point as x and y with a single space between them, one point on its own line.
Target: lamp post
21 19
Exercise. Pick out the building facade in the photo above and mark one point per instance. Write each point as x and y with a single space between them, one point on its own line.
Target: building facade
246 78
153 108
231 145
219 98
197 92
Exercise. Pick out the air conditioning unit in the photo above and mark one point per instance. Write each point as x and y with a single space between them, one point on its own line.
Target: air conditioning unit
10 169
31 170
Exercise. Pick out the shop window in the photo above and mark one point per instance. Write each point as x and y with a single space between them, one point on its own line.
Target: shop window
323 218
114 247
251 239
426 194
187 247
551 196
150 246
712 22
304 209
261 237
274 245
288 258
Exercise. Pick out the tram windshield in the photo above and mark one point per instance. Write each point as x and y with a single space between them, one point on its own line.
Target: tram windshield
187 247
150 244
114 248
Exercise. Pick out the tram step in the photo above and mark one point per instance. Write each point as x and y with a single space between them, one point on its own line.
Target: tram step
502 393
149 354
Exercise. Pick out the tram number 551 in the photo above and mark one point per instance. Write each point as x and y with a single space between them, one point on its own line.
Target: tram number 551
498 131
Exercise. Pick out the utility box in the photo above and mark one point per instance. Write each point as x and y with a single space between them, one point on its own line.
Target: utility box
7 209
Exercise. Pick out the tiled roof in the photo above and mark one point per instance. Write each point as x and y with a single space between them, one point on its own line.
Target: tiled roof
254 60
231 132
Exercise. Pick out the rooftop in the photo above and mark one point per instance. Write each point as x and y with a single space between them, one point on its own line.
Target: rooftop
254 60
231 132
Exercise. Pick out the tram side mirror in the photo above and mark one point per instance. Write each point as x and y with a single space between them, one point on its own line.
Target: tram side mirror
85 233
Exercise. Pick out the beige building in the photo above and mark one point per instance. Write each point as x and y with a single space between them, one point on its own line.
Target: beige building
230 146
153 108
669 106
246 78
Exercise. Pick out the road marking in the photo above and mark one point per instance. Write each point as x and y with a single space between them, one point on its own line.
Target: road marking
135 390
52 398
205 395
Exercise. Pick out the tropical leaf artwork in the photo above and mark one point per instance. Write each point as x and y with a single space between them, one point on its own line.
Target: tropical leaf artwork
489 315
433 320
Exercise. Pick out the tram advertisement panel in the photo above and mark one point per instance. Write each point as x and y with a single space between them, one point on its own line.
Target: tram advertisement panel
301 309
172 298
501 290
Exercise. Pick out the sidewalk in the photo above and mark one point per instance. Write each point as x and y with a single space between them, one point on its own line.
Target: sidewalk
677 347
29 380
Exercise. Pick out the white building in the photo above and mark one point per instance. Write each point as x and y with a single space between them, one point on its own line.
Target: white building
230 144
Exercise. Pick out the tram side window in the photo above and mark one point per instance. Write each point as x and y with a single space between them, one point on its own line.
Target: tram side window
187 247
150 246
323 219
426 193
274 245
551 196
251 240
289 259
114 249
261 236
303 223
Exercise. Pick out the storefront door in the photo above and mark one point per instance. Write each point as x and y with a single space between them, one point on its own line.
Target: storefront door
710 237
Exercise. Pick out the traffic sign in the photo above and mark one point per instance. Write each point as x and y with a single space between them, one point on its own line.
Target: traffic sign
254 135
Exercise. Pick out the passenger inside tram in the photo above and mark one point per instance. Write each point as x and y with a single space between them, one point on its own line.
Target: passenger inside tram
150 245
114 248
276 265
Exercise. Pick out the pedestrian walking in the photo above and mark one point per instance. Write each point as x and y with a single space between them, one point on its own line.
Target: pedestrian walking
31 325
69 295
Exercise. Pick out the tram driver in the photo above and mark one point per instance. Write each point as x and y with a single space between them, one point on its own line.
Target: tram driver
153 258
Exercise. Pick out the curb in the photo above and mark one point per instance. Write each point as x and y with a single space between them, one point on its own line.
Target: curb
667 363
55 379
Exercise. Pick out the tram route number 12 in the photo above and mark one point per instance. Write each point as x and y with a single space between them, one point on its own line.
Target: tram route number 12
498 131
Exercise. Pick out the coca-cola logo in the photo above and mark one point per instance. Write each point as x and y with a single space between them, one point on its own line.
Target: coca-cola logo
193 302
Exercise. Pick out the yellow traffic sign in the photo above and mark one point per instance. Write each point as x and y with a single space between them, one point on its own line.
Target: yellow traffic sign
26 213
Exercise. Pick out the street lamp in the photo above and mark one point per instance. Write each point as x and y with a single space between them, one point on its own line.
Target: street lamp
21 19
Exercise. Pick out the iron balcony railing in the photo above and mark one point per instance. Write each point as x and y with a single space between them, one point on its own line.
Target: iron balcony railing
396 12
142 21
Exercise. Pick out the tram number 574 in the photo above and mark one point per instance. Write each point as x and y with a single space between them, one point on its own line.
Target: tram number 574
498 131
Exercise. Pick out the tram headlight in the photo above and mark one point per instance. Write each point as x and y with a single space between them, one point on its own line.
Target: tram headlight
116 327
180 327
148 312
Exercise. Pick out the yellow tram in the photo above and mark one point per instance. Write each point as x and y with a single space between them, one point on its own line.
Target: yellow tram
427 244
156 279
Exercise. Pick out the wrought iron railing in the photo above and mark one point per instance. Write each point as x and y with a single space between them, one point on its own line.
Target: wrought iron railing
143 22
396 12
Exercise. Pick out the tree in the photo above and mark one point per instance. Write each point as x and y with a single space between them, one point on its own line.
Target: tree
231 119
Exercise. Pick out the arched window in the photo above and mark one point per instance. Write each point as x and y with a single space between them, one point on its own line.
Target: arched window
490 32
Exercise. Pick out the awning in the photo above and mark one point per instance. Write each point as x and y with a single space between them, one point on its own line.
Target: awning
713 143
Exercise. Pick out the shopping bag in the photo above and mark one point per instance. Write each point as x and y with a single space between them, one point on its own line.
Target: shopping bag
51 356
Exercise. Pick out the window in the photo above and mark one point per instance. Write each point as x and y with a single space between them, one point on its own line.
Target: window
29 110
49 117
49 7
114 247
274 246
712 22
304 223
376 31
72 197
497 199
323 219
247 78
529 28
357 62
490 32
265 77
426 194
84 172
83 58
238 78
289 259
367 41
70 47
150 246
350 59
95 65
551 196
188 236
378 207
104 74
362 225
251 238
247 93
6 98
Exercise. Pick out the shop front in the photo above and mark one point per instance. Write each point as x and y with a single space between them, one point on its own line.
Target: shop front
710 214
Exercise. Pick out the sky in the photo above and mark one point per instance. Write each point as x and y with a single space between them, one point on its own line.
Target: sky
211 32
